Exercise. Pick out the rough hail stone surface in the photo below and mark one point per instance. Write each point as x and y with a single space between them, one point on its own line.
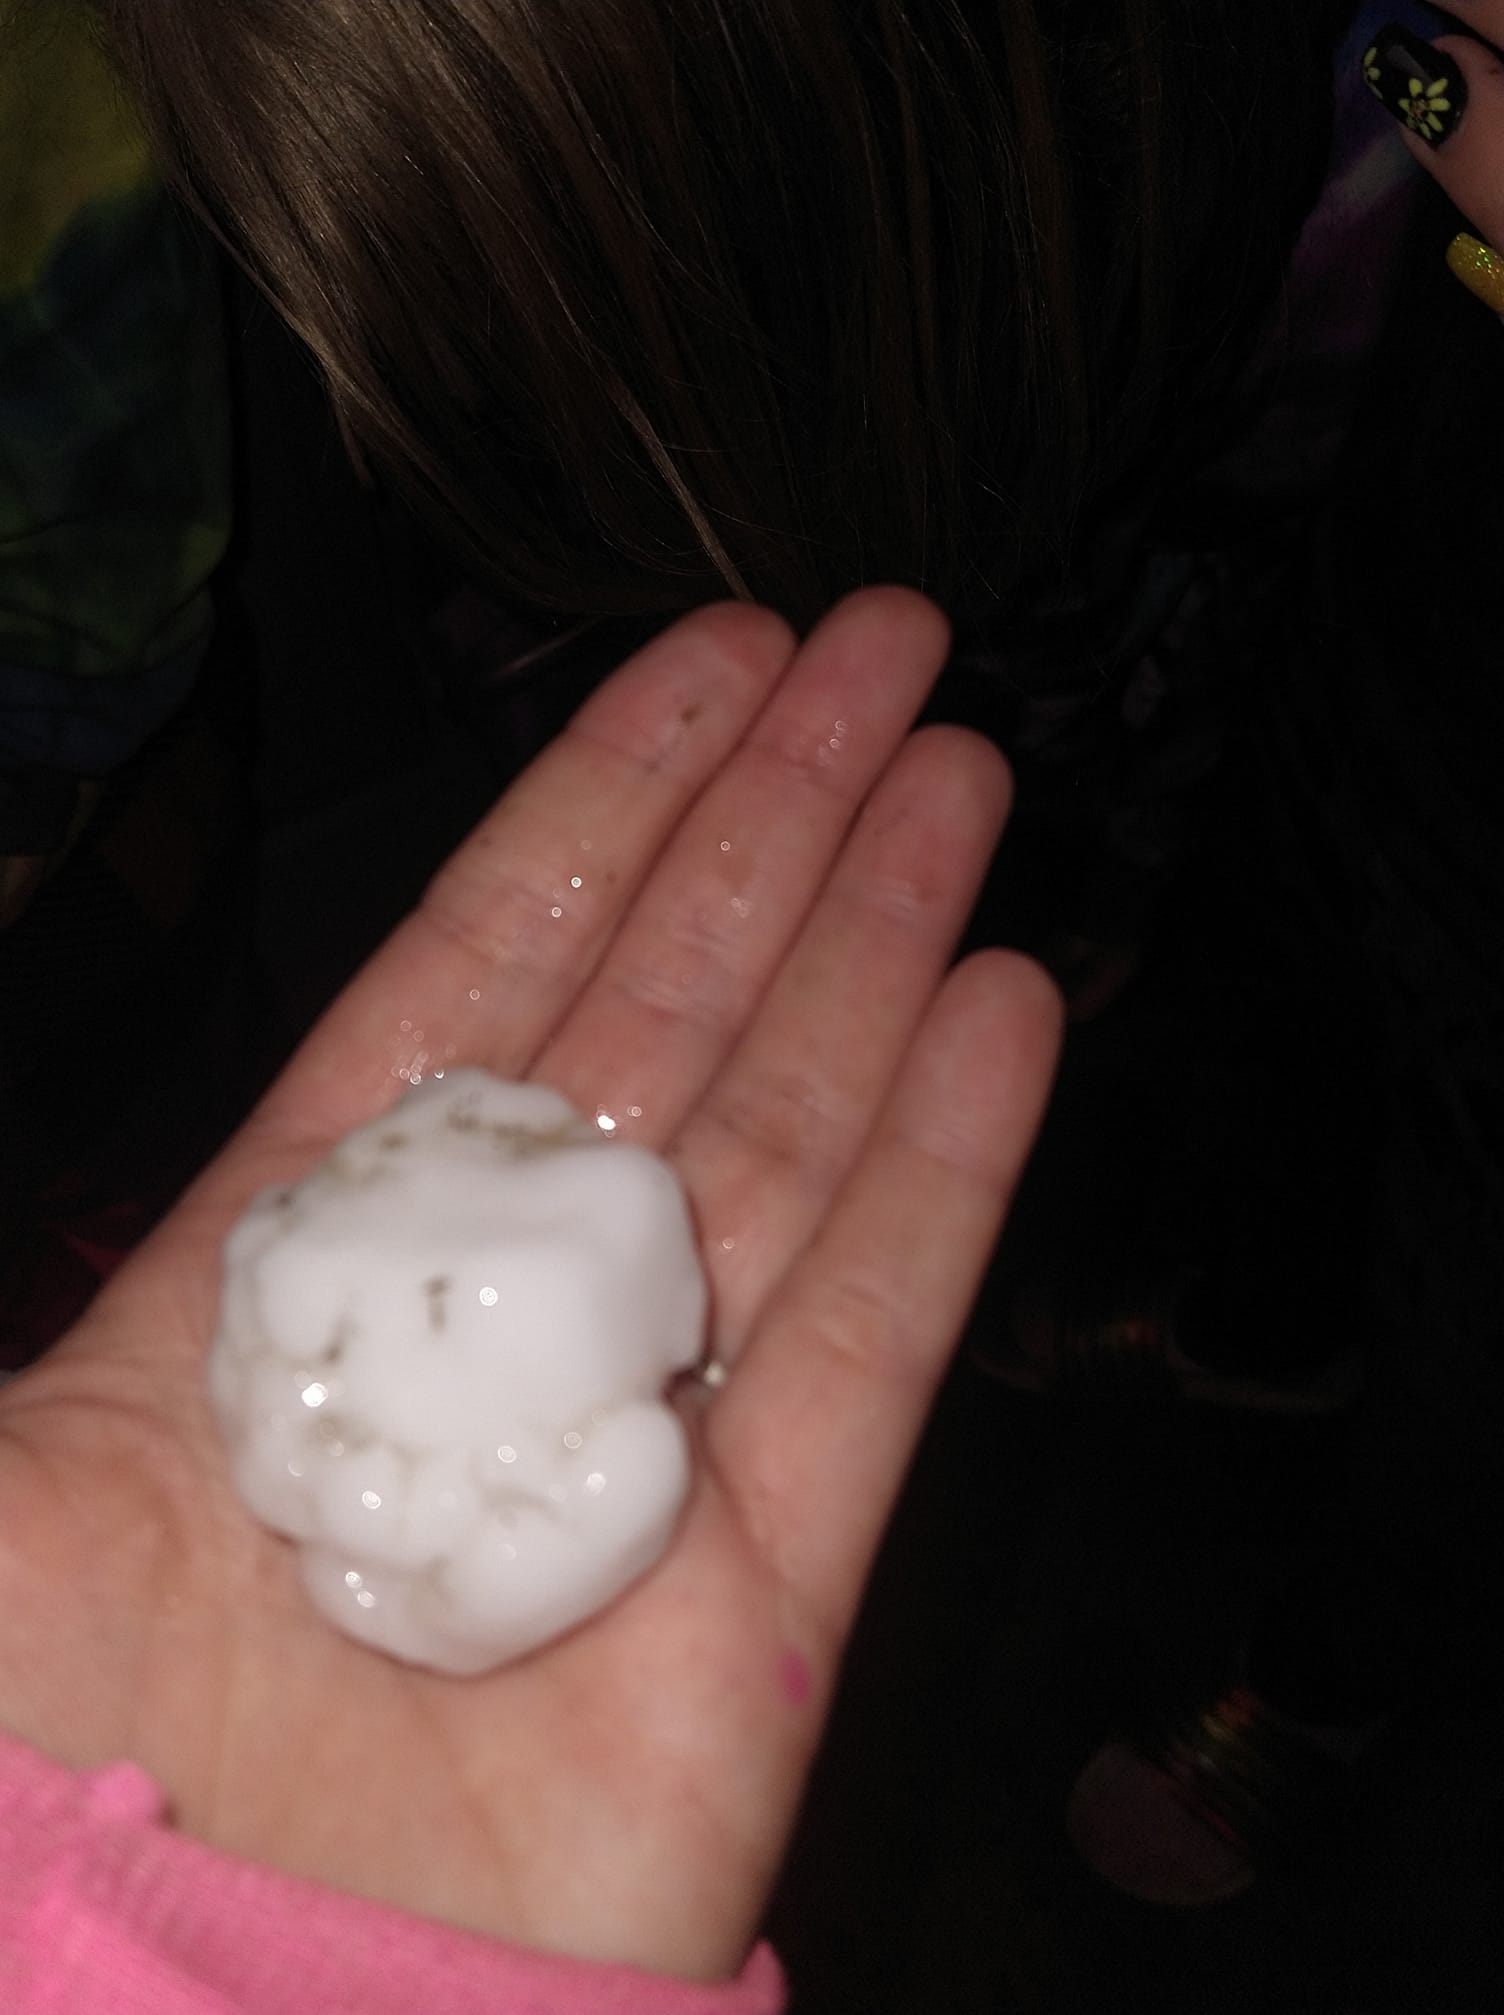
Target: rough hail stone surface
440 1368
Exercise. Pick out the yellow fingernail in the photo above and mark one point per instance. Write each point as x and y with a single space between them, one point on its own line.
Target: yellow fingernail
1480 269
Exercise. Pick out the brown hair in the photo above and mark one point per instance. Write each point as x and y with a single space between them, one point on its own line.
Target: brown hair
649 298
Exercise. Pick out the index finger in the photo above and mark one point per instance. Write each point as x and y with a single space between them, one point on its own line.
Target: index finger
510 928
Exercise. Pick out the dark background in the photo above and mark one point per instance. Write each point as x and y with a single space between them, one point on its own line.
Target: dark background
1309 1063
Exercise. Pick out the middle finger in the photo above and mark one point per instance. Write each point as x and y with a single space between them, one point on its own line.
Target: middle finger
774 1138
732 891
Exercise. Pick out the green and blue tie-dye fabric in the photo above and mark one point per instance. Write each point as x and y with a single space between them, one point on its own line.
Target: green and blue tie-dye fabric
114 428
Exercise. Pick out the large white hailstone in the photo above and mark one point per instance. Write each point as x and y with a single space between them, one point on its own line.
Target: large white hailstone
441 1363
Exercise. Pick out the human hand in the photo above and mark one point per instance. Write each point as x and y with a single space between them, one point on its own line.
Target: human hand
1448 96
718 909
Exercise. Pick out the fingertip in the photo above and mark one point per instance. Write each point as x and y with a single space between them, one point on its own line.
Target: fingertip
1027 983
743 633
1014 997
902 615
1011 1014
1479 268
978 1087
966 763
713 668
991 768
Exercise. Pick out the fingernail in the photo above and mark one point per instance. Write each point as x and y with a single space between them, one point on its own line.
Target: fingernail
1480 269
1422 87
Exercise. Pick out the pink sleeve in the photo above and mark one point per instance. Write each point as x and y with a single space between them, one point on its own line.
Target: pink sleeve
104 1910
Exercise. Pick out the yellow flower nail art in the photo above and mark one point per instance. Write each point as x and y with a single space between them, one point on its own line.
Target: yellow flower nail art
1423 108
1417 83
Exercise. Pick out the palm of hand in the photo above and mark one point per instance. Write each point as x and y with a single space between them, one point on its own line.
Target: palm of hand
542 1803
757 976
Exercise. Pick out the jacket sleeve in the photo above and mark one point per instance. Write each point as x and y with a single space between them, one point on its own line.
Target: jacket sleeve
104 1910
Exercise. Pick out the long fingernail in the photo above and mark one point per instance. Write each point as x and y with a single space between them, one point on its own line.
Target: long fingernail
1421 86
1480 269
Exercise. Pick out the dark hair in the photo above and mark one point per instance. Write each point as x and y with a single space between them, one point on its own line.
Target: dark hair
649 298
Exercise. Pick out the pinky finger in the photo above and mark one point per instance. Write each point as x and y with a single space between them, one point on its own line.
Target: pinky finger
814 1432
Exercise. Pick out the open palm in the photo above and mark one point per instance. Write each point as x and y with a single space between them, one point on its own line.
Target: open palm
718 911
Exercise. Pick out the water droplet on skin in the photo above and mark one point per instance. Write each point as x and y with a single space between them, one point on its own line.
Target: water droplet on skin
634 1112
556 911
352 1579
488 1297
605 1122
315 1394
740 907
574 1440
506 1453
585 846
366 1599
475 993
404 1026
728 1245
595 1483
725 846
508 1551
597 1416
576 882
371 1500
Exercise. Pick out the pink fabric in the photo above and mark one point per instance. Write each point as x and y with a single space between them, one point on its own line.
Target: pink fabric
104 1910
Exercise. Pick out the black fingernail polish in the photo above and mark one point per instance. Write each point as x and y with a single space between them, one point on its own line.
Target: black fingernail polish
1421 86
